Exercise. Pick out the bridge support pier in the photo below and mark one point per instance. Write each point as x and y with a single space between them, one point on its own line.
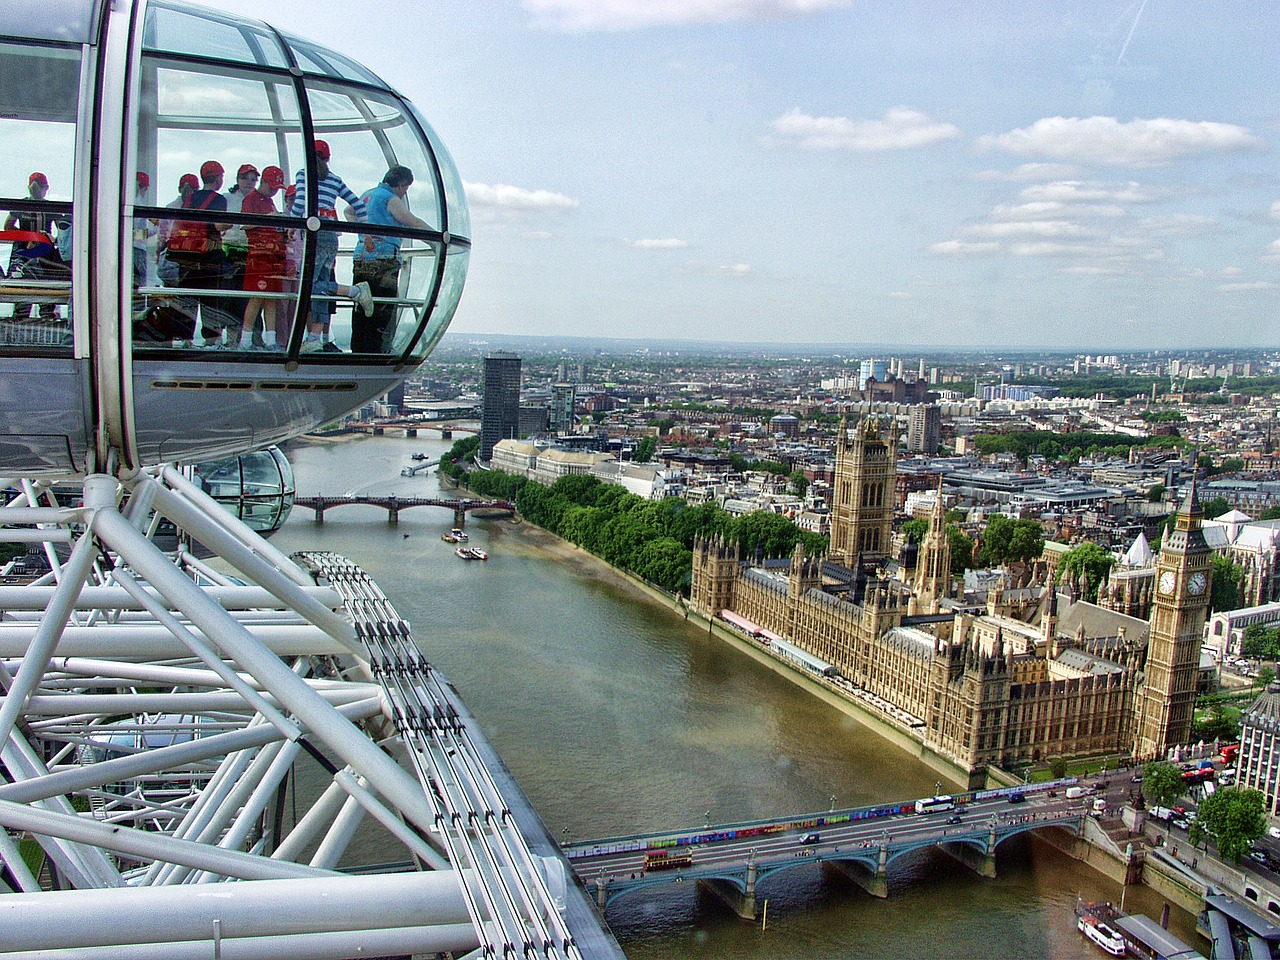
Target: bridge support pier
874 882
319 513
411 431
981 862
741 902
459 518
602 893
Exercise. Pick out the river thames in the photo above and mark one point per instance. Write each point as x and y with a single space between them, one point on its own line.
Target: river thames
617 717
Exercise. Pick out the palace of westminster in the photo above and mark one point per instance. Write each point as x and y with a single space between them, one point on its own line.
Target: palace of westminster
1035 673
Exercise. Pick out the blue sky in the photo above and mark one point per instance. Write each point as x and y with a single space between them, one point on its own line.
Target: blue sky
979 173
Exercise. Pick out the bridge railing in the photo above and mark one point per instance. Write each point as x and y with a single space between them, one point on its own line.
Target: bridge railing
751 828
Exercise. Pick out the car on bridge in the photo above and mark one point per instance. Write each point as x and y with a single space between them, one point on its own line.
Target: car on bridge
810 838
1018 797
954 818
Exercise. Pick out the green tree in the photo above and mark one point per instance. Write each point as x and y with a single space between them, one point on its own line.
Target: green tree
799 482
645 448
1271 513
1162 783
1156 494
666 562
1260 642
1089 559
1058 767
1215 508
1235 817
1266 676
961 550
1228 576
915 530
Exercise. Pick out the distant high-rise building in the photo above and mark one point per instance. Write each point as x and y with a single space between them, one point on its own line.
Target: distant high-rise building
924 428
868 370
500 412
563 402
920 372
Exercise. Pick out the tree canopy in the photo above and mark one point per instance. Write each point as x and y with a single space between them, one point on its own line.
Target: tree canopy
1010 541
1162 783
1235 817
652 538
1228 579
1091 560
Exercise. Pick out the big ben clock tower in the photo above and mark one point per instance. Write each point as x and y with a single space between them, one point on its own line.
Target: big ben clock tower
1166 700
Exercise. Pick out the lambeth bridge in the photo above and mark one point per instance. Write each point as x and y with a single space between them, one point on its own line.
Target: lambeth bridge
394 505
861 843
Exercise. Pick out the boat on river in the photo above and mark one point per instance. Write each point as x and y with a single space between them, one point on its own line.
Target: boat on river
1121 934
1104 936
464 553
478 554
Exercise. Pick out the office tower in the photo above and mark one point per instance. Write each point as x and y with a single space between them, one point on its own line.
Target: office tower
924 428
500 413
563 398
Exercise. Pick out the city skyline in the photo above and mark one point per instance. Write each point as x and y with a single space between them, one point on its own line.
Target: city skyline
814 171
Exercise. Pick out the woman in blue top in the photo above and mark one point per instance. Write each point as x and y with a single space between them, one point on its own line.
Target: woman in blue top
377 260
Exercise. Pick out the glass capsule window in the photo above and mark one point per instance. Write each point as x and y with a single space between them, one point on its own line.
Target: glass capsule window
39 99
257 487
236 249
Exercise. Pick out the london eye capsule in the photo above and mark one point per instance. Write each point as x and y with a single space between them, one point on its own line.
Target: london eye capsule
200 251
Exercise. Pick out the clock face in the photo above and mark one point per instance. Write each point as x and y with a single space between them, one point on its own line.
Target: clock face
1197 583
1167 581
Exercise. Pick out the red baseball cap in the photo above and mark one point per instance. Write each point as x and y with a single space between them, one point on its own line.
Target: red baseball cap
188 180
246 168
39 177
144 180
291 190
273 176
322 149
210 169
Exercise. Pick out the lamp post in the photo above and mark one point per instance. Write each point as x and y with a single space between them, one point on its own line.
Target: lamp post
833 804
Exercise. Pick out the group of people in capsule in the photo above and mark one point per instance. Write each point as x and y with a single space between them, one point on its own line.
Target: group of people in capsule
249 259
257 260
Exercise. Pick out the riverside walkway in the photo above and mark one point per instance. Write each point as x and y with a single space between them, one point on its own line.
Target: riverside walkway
731 859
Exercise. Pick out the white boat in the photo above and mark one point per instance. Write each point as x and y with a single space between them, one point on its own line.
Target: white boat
1101 934
478 554
464 552
459 535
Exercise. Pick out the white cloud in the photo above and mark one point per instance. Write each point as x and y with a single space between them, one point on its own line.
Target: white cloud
1084 191
1177 225
585 15
1030 173
1275 210
1054 210
964 247
1244 287
1013 229
901 128
1273 252
669 243
736 269
1105 140
500 196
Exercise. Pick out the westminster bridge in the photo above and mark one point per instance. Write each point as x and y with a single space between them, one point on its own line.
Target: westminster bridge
861 843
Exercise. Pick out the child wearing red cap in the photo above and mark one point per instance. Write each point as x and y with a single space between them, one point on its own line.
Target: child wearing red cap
264 263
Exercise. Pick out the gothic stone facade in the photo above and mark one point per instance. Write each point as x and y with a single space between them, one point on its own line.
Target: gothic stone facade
973 703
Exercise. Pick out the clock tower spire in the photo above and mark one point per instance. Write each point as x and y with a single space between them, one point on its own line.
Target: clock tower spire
1166 699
